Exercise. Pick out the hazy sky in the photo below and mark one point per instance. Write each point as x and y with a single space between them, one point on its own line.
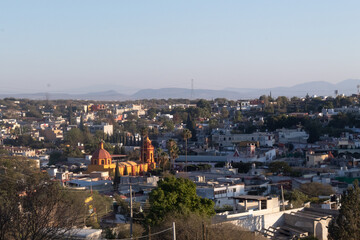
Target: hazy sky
64 44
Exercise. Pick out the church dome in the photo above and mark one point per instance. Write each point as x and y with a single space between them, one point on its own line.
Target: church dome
101 153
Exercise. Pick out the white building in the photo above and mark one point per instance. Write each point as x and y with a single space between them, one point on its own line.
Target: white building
292 135
134 108
104 127
261 155
221 194
226 139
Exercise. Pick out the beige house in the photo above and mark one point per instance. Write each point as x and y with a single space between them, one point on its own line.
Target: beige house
20 151
314 159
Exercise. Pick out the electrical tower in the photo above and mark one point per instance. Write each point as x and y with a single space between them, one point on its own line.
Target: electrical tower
192 89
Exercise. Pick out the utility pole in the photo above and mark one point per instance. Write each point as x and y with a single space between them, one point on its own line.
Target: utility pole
282 196
131 214
174 231
186 154
204 231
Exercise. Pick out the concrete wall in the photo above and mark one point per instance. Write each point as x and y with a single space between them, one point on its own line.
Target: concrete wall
318 228
297 221
257 220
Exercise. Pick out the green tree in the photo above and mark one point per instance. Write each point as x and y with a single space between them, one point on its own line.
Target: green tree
4 152
70 115
74 136
31 205
314 130
152 113
173 150
280 167
296 198
346 226
186 134
122 152
203 108
176 196
109 234
315 189
242 167
238 117
117 149
56 157
213 123
282 103
162 158
169 125
224 113
191 125
132 116
202 103
81 125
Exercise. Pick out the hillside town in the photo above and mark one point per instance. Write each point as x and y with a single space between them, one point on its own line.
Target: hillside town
273 168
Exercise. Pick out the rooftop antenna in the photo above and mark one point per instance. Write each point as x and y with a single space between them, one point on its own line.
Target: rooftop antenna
192 89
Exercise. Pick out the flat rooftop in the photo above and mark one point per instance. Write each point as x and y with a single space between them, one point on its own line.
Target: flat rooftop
251 197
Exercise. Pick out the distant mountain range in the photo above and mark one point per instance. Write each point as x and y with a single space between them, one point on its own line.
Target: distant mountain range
318 88
98 96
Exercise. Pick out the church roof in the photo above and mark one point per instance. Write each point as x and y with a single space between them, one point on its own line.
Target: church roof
101 153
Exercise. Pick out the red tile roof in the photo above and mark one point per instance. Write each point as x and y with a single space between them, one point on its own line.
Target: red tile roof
101 153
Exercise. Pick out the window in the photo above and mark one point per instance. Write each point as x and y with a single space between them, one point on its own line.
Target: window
220 192
102 162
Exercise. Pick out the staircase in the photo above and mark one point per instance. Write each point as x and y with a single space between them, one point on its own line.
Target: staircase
285 232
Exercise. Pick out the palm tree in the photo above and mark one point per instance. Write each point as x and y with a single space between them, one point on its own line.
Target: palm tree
173 149
186 134
162 158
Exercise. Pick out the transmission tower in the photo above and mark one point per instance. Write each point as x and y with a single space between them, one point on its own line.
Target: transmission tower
192 89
